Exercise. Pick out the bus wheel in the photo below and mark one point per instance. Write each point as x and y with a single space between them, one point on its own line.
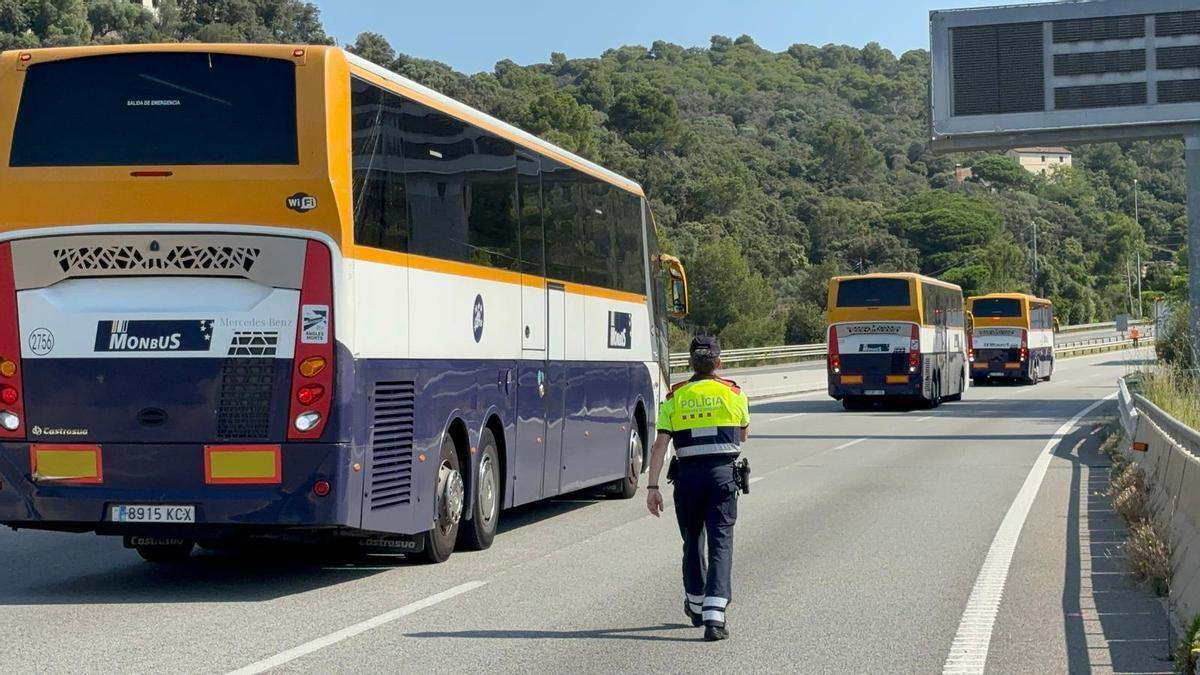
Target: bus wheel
635 458
962 387
168 553
481 530
1051 373
1035 373
935 395
448 506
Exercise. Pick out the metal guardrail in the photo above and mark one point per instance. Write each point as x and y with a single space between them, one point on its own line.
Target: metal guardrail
1183 435
1095 326
817 350
731 356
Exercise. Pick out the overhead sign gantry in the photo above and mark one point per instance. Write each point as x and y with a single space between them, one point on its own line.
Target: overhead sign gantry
1068 73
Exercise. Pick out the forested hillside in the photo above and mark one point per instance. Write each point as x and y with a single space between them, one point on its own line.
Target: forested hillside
768 171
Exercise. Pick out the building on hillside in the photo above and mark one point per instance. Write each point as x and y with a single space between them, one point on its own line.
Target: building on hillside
1039 159
151 5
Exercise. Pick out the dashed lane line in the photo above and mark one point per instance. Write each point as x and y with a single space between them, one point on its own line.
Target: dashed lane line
968 652
350 631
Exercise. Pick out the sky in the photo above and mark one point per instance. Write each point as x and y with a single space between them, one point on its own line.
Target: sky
472 35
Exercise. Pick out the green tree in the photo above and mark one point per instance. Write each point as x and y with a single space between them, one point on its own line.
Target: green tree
844 153
730 299
374 48
647 118
1000 171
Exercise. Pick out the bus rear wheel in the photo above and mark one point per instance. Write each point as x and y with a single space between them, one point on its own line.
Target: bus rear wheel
449 496
635 459
1035 373
479 532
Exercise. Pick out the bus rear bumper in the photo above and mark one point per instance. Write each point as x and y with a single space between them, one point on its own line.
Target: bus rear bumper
910 389
181 475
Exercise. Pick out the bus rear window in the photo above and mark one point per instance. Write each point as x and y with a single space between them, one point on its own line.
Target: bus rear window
157 109
873 293
999 307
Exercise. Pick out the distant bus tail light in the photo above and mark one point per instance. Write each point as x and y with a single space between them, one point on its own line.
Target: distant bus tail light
12 407
322 488
312 379
1024 347
835 358
970 348
914 349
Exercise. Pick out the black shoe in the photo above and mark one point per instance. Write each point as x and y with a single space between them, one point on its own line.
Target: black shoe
697 619
714 633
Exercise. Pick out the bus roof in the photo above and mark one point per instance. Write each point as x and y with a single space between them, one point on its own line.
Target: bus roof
433 98
1012 296
898 275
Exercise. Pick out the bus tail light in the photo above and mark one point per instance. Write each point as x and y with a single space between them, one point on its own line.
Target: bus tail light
970 348
312 379
914 349
12 407
835 359
1024 347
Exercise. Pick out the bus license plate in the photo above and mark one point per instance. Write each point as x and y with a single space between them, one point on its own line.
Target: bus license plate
874 392
152 513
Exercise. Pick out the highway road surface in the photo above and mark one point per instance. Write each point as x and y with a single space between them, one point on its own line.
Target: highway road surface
862 548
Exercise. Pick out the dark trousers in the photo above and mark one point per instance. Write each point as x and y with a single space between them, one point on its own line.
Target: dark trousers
706 509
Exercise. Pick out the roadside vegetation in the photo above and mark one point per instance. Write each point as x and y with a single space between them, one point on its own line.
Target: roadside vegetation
1187 653
1147 553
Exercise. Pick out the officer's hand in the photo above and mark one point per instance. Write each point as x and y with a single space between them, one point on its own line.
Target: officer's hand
654 502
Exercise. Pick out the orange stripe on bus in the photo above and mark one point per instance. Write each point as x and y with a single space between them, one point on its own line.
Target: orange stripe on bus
463 269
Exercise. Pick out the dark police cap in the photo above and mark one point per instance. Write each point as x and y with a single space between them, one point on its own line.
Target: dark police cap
706 346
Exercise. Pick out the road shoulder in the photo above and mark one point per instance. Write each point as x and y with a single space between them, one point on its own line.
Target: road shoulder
1068 605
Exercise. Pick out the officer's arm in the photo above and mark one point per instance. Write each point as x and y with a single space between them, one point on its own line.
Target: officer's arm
658 452
744 404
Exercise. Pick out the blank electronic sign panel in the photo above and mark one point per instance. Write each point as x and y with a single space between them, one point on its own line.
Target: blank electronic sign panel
1064 72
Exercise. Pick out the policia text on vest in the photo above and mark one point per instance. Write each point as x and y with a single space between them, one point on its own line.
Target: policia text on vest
707 418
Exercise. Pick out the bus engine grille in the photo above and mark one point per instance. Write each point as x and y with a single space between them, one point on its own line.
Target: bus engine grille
244 408
391 444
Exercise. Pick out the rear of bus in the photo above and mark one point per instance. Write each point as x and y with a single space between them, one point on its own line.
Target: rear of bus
998 347
874 339
168 261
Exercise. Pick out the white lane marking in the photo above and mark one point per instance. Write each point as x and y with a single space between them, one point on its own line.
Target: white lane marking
924 419
756 479
358 628
843 446
785 417
968 652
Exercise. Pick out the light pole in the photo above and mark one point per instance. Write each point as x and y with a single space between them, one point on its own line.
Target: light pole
1033 224
1138 222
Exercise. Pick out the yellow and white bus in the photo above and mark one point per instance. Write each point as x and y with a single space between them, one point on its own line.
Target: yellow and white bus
1013 338
281 291
895 336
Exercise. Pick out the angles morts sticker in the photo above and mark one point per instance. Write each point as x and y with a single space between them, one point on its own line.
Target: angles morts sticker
314 329
154 335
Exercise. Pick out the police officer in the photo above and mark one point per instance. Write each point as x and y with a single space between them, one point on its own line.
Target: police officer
708 418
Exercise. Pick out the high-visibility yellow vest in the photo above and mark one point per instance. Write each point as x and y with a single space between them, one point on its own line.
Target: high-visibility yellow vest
705 416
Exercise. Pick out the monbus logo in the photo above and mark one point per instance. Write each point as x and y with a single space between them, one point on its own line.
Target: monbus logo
154 336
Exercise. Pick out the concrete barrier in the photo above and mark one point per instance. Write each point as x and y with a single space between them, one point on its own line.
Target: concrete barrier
1172 469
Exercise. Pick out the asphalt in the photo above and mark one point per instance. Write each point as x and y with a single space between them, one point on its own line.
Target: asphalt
856 551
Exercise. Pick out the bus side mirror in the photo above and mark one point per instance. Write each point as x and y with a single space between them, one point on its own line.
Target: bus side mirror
677 290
